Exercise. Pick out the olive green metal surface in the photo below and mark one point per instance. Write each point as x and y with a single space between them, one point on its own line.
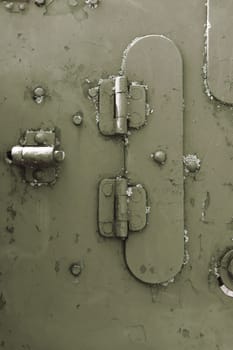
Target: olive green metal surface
219 50
62 285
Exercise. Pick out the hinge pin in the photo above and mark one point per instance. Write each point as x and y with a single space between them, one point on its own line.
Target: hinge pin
121 105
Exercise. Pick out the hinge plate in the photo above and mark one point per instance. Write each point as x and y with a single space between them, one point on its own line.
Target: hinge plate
122 208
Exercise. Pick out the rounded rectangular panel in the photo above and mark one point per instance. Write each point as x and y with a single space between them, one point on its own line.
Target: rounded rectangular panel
156 254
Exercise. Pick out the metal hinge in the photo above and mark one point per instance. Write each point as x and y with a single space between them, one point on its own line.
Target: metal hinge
122 208
121 106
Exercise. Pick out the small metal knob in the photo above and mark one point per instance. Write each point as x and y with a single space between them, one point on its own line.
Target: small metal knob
159 157
75 269
59 156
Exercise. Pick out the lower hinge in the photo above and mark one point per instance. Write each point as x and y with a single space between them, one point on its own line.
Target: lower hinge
122 208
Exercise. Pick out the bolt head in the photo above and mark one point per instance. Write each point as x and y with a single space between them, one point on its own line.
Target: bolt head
160 157
59 156
75 269
77 119
40 2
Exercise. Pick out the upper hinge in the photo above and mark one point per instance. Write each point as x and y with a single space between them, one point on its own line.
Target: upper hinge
122 208
121 106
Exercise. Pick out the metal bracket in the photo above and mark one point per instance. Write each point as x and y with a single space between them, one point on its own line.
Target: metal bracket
121 106
38 153
122 208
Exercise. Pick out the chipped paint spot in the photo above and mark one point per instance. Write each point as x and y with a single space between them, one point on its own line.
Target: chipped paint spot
136 333
186 236
57 266
2 301
205 206
192 163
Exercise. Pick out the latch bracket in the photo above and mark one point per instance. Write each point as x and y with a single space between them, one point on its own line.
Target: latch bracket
122 208
38 154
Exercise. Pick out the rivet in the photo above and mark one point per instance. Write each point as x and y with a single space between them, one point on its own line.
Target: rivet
75 269
40 2
22 7
9 6
59 156
40 138
38 94
92 3
107 189
159 157
77 119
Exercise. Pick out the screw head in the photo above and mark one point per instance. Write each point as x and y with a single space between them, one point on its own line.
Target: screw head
59 156
159 157
77 119
75 269
40 138
40 2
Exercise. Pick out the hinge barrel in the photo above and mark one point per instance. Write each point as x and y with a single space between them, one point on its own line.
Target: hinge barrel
121 89
121 106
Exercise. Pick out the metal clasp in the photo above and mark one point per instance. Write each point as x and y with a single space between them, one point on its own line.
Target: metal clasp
39 154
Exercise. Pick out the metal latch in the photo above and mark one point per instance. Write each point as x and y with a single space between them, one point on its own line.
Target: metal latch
121 106
122 208
39 154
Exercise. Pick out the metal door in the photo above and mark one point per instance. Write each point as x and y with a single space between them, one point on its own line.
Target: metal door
116 220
